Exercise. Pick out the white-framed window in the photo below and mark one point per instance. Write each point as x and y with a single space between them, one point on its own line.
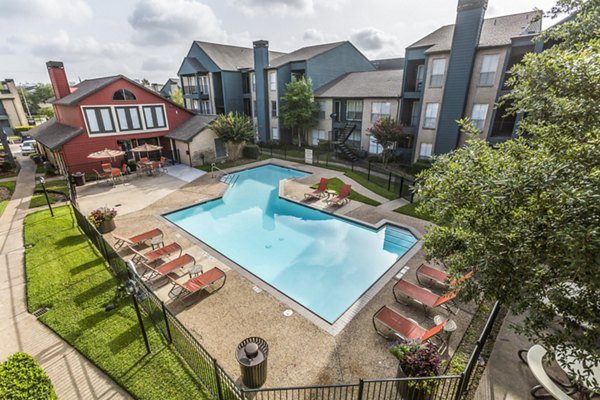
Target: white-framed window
273 109
99 120
354 110
425 150
438 67
253 83
195 104
380 110
318 134
204 84
205 107
478 115
275 133
420 77
273 81
128 118
414 113
321 104
431 112
154 117
374 147
489 65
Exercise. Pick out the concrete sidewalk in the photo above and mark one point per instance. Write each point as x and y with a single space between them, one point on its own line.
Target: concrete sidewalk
73 376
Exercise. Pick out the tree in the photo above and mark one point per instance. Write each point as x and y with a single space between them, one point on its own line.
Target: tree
298 110
40 94
525 216
177 96
387 132
234 127
48 112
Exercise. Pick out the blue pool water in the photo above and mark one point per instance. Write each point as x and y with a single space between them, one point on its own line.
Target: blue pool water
323 262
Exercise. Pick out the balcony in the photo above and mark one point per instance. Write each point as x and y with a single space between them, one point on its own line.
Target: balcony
190 89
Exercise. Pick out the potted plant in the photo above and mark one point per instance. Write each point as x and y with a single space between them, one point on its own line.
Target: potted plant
103 218
132 165
415 359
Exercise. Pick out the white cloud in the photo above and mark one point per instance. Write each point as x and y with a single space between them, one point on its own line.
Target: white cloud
375 43
315 36
280 7
165 22
153 64
71 10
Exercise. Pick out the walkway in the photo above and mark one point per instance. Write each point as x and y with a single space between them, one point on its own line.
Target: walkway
73 376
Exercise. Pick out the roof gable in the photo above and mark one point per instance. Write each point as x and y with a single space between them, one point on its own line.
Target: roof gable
85 89
190 128
304 53
231 58
53 134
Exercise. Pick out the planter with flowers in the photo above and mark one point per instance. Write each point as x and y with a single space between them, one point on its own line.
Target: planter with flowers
103 219
415 360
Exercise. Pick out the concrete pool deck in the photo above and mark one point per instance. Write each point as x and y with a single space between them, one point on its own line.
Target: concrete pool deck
300 353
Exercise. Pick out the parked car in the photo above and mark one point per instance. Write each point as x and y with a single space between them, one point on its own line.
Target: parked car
28 147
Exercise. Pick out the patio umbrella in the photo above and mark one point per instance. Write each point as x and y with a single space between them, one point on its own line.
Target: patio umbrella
146 148
106 153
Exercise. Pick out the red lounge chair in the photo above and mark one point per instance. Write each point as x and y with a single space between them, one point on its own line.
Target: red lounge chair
197 284
167 268
403 327
438 276
342 197
319 192
155 255
423 296
155 236
100 175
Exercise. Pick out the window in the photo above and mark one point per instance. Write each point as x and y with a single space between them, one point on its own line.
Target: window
195 104
425 150
99 120
420 73
478 115
374 147
154 117
354 110
487 75
189 84
272 81
318 134
205 107
321 105
128 118
123 94
275 133
431 115
414 113
274 109
438 67
379 110
203 84
253 83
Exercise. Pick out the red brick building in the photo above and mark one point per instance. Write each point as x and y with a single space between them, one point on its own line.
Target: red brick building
112 112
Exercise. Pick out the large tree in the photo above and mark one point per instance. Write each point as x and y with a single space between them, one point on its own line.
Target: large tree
387 132
40 94
525 215
298 110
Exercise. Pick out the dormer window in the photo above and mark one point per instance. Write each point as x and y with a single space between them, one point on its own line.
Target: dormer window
123 94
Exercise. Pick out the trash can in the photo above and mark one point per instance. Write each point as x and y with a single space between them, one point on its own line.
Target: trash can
79 178
252 355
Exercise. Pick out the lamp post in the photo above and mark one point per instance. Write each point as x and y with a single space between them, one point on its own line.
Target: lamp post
43 183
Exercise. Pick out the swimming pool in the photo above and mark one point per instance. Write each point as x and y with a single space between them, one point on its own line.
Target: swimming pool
323 262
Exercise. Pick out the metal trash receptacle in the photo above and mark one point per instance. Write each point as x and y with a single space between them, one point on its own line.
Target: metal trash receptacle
79 178
252 354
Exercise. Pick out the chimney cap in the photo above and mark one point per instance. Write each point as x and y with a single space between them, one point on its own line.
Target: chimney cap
464 5
261 43
55 64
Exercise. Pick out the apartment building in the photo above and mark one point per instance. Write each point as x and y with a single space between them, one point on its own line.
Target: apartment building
11 109
460 71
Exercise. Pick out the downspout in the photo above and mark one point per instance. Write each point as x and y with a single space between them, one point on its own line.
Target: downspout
189 151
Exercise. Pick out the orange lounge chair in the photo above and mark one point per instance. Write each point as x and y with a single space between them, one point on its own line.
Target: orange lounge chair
155 236
318 192
342 197
165 269
403 327
155 255
197 284
423 296
439 276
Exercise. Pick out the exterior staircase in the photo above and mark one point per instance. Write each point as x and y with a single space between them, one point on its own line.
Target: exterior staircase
343 148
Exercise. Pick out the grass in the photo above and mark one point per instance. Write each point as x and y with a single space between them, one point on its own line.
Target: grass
67 274
411 210
10 185
336 184
57 191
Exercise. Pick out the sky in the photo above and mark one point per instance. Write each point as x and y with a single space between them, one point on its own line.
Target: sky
149 38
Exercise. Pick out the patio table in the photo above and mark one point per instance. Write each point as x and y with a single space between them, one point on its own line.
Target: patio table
570 364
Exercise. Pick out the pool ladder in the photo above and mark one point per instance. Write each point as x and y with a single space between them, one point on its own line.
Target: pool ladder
224 177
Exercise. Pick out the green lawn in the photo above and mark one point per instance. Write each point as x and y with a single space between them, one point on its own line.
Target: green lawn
55 189
336 184
410 209
10 185
66 273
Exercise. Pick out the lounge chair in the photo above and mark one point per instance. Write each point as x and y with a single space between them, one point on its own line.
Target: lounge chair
165 269
155 255
423 296
341 198
319 192
197 284
438 276
404 327
155 236
100 175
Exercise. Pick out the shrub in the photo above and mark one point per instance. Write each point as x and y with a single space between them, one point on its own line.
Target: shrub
24 128
22 378
273 143
251 151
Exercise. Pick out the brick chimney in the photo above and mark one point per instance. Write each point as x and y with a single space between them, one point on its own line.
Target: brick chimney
58 77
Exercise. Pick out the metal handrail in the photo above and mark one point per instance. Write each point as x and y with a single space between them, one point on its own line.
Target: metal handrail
214 167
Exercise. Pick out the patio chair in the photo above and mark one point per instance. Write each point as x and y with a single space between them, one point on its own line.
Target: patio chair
100 175
423 296
438 276
115 174
535 362
319 192
151 272
341 198
155 255
154 235
406 328
106 167
162 164
197 284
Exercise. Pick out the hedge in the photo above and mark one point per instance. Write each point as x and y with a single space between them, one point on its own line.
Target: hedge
21 377
251 151
24 128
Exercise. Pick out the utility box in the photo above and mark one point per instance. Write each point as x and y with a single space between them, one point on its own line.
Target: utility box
79 178
252 354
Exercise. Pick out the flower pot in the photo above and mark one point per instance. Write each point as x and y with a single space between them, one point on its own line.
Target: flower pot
107 226
406 390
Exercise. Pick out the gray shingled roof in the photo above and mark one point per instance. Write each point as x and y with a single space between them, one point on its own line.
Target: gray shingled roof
85 89
371 84
232 58
304 53
53 134
190 128
495 32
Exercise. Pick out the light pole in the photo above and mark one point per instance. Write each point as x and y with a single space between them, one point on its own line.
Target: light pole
43 182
